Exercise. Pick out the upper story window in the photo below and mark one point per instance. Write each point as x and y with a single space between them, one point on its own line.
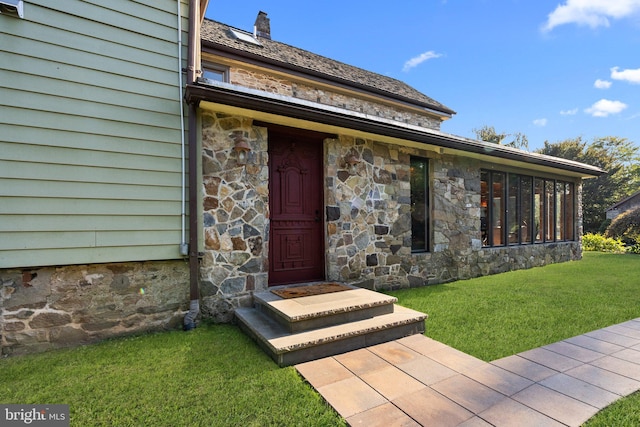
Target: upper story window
215 72
419 205
519 209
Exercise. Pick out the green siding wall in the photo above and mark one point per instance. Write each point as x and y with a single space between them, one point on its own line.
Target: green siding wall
90 139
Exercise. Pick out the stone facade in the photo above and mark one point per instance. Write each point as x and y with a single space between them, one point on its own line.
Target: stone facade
367 221
327 96
52 307
235 218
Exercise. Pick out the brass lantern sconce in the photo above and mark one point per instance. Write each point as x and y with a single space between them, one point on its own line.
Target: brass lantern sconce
240 146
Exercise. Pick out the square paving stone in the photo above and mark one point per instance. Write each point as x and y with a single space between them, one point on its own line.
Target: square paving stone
422 344
351 396
455 359
550 359
605 379
509 413
475 422
594 344
623 330
361 361
619 366
614 338
467 393
633 324
580 390
524 367
323 371
391 382
629 354
499 379
556 405
394 352
573 351
430 408
426 371
387 415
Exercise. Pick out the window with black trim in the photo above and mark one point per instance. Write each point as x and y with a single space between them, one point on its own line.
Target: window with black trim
520 210
419 180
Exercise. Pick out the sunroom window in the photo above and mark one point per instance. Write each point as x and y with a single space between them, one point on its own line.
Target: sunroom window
519 209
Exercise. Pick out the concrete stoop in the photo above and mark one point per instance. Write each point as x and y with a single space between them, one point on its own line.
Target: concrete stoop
301 329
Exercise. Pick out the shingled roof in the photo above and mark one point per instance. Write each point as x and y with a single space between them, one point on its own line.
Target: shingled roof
218 36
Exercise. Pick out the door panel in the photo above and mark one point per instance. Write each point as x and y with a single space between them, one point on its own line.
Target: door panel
296 242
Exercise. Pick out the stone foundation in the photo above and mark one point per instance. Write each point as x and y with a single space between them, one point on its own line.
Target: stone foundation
53 307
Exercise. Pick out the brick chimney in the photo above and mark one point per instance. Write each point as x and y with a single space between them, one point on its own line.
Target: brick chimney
262 26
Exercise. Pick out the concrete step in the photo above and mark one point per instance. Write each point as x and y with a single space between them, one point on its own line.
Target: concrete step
320 311
287 348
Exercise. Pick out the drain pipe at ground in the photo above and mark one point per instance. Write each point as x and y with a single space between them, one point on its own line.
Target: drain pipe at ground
194 260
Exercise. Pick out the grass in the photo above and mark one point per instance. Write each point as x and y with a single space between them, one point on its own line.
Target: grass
501 315
496 316
212 376
215 375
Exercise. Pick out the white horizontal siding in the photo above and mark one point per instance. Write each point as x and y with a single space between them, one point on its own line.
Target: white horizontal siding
90 154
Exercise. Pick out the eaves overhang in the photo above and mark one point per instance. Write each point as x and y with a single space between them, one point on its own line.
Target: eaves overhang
279 105
294 70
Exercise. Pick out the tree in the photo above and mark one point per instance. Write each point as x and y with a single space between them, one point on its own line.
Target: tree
489 134
614 155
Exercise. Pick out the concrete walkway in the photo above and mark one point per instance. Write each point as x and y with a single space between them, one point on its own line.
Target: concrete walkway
416 381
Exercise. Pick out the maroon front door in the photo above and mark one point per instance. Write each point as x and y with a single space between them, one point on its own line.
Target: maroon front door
296 241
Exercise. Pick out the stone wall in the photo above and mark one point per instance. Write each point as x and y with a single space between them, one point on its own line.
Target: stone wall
287 87
53 307
368 219
369 222
236 212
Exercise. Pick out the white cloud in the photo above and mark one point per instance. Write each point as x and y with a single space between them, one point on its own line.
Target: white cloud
593 13
602 84
415 61
605 107
631 76
571 112
540 122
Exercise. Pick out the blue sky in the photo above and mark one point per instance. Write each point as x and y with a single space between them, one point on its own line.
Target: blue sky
550 69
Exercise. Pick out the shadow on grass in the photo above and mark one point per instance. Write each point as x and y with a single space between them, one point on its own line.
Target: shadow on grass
213 375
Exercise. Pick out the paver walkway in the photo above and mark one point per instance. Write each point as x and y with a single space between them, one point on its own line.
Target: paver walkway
417 381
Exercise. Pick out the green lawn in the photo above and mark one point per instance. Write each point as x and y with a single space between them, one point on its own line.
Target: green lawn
496 316
211 376
215 376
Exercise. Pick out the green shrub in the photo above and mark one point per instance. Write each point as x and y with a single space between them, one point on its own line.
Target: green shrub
600 243
635 249
626 227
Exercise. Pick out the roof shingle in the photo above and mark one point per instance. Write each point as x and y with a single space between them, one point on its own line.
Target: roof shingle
215 34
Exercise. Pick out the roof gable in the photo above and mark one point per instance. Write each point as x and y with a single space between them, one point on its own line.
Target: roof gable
635 195
217 35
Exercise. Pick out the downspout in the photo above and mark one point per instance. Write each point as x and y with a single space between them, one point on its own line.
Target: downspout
194 262
184 247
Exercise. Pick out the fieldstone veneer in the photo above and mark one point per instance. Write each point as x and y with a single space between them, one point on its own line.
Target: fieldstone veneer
53 307
235 219
367 219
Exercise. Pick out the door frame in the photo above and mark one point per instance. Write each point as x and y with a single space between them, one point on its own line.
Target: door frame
311 137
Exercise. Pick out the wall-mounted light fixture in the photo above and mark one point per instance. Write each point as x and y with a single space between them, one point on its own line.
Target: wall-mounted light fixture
351 159
240 146
12 8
